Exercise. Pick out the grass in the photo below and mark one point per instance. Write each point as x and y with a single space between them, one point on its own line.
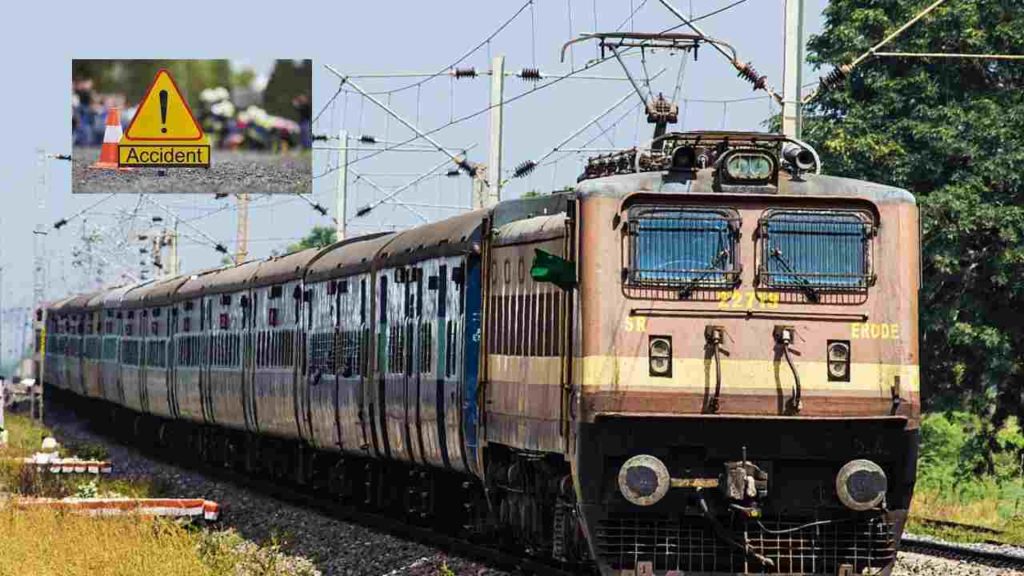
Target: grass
25 437
47 542
992 518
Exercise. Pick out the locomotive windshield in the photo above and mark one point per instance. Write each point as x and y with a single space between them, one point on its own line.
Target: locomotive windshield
682 247
808 249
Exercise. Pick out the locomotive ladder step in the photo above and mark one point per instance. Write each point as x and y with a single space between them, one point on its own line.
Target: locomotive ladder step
558 542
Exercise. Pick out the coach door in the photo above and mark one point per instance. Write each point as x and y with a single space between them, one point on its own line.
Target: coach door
300 384
398 379
350 352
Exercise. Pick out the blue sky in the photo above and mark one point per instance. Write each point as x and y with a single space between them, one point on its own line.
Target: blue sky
363 37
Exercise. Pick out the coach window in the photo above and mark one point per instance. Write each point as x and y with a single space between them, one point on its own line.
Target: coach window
677 253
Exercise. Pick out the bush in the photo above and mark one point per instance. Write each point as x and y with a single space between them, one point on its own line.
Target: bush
968 469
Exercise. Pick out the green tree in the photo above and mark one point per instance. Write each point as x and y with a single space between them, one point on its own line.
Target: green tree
318 237
952 132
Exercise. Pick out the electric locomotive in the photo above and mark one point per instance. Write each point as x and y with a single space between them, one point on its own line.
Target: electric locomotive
703 359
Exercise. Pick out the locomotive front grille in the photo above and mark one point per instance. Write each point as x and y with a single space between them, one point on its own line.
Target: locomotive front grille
689 545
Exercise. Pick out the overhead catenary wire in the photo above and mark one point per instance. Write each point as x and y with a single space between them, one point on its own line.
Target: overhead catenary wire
64 221
408 207
461 162
949 55
330 101
839 73
527 167
465 55
218 246
528 74
629 19
479 112
318 207
745 69
713 12
585 145
371 206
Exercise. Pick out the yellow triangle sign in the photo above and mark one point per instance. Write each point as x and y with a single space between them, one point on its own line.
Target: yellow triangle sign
163 114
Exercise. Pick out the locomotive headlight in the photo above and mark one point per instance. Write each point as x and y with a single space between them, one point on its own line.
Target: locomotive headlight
748 166
659 355
644 480
838 360
861 485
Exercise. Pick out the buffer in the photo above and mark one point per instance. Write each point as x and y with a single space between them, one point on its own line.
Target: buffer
164 133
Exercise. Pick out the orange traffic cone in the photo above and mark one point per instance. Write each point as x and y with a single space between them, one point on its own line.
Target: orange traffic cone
111 136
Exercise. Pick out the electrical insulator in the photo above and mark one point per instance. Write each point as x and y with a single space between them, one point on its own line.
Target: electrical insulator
319 137
452 173
367 139
464 72
469 168
750 74
364 210
834 78
60 223
661 110
221 248
524 169
320 209
530 74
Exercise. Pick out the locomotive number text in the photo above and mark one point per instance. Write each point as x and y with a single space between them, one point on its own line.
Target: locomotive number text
740 300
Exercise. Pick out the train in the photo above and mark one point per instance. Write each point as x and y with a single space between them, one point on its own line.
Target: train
700 359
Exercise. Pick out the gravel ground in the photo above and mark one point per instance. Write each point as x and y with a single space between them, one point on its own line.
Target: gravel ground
335 547
230 172
341 548
910 564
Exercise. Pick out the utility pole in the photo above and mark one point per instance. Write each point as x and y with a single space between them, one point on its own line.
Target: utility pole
342 191
171 238
494 163
481 187
792 123
39 266
242 242
40 355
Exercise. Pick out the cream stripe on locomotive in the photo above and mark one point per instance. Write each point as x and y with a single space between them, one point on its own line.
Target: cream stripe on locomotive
612 373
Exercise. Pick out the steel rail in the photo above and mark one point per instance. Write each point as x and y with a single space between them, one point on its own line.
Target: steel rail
955 551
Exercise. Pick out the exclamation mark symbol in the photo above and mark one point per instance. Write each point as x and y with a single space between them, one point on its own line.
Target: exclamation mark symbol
163 111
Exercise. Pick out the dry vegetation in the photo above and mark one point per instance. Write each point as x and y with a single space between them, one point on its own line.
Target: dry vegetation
45 542
48 542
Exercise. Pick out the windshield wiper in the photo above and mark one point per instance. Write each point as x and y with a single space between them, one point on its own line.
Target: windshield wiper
805 286
692 285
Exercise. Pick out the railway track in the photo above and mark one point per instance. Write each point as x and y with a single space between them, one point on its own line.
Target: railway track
987 553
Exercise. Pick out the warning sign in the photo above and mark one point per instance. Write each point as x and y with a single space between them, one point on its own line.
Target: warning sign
163 132
158 155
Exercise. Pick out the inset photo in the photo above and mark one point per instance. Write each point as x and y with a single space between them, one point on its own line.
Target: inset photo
192 126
